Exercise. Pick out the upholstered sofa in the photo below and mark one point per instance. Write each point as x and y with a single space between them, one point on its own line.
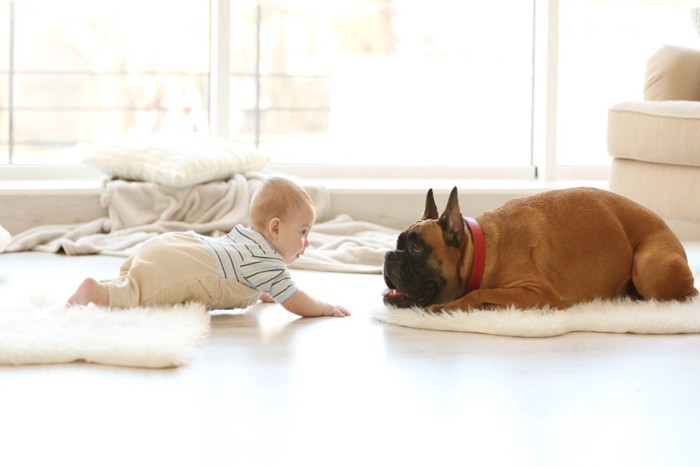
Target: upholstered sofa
655 142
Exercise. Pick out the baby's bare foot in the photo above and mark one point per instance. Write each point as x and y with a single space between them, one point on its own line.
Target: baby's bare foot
85 294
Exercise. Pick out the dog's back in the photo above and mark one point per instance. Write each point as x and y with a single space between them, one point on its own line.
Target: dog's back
587 243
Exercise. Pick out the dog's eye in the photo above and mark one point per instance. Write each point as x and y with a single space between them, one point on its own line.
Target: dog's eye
416 247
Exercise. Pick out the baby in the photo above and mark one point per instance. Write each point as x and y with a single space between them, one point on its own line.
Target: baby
232 271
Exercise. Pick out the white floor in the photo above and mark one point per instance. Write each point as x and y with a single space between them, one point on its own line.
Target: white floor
272 389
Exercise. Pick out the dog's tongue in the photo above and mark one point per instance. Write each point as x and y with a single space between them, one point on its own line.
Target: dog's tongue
397 298
391 293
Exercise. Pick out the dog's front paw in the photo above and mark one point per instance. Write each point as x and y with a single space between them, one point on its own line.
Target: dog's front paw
435 309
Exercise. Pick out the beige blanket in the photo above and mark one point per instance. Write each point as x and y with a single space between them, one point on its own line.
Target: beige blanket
347 245
137 211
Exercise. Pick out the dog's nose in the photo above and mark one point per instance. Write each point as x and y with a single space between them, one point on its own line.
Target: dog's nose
390 255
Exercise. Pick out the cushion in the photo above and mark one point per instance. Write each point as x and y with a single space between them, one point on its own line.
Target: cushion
673 73
172 160
662 132
665 189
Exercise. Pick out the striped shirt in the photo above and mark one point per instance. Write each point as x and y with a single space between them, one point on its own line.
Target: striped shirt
244 255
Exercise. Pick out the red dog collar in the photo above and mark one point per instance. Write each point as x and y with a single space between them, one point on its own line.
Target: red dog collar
479 256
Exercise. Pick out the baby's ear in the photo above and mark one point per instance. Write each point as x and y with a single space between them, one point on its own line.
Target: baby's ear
273 228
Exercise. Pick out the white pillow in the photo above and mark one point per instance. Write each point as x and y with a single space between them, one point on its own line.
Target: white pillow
172 160
5 238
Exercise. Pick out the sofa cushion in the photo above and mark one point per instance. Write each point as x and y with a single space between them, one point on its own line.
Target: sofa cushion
673 73
665 132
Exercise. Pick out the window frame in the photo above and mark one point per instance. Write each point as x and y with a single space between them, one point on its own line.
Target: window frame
543 151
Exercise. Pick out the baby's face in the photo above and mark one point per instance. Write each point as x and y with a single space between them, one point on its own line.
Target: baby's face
293 235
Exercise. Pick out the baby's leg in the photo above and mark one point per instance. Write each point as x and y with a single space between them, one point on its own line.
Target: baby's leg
90 291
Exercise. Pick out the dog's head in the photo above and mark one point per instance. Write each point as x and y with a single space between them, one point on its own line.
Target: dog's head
426 267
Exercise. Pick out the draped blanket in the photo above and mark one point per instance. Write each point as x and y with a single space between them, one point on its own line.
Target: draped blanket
137 211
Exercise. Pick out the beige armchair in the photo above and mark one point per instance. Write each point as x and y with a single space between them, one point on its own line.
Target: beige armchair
655 143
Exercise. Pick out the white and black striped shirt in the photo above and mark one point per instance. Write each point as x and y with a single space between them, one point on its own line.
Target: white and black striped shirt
244 255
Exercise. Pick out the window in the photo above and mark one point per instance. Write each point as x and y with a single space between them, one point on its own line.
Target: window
395 82
603 49
379 84
356 82
84 70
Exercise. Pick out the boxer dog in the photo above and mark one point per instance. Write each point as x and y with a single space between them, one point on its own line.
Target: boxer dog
552 250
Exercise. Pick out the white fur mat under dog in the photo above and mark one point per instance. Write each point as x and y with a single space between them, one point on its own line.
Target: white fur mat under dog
45 330
617 316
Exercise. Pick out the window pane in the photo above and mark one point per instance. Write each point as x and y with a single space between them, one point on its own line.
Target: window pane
4 67
403 82
85 69
603 49
4 121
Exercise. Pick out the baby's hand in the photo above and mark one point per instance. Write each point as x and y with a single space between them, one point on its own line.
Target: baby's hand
305 305
339 311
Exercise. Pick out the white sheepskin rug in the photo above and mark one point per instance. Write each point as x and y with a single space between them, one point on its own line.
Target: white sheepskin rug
618 316
43 330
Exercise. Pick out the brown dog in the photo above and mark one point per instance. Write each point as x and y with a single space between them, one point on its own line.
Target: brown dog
553 249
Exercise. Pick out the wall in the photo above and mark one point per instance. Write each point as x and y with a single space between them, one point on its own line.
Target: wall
21 211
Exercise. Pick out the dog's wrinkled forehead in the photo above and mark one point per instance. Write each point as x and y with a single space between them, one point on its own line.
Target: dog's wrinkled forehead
425 231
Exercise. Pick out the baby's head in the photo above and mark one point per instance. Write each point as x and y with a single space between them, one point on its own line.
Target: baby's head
284 213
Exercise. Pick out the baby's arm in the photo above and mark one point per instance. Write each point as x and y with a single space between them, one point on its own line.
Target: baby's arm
305 305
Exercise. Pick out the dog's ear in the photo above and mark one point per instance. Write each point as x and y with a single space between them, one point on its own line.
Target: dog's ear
452 222
430 211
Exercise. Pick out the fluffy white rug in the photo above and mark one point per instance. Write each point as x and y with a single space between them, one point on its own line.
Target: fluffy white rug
44 330
619 316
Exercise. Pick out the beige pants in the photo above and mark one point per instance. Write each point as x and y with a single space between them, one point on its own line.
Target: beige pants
175 268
